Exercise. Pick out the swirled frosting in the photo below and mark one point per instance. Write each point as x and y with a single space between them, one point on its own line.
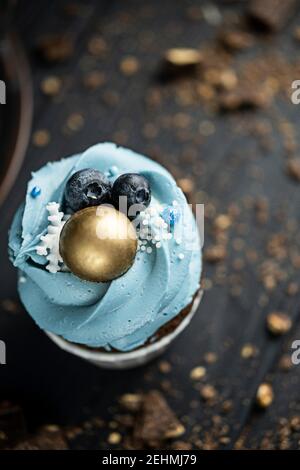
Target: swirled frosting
124 313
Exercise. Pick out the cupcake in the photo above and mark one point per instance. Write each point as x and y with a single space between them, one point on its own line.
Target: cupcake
108 254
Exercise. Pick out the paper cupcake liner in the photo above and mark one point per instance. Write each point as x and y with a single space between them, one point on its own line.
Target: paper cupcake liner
127 360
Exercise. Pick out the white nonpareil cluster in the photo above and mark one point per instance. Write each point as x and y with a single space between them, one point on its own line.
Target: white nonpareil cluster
153 230
49 245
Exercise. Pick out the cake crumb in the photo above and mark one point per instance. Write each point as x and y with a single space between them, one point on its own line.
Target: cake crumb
183 57
164 367
97 46
75 122
186 184
248 351
293 168
114 438
295 423
285 363
215 254
210 357
51 85
222 222
264 395
55 48
131 401
208 392
198 373
129 65
94 80
236 40
177 431
41 138
278 323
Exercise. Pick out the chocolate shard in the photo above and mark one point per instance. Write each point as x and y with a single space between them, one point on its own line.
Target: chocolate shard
12 424
271 14
48 437
156 422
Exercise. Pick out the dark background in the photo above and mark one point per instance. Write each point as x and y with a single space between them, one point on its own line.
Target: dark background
235 162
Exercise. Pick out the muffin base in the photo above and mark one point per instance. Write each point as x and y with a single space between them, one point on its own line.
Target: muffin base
155 346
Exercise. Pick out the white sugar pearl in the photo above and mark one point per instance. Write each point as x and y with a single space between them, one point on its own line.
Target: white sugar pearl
143 248
145 222
113 170
149 249
158 245
181 256
178 241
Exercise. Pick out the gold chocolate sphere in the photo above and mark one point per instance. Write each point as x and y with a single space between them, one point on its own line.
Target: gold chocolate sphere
98 243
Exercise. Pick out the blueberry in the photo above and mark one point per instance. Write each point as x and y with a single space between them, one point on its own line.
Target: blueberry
86 188
137 190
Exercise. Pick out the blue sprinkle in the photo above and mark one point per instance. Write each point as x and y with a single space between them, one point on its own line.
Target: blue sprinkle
35 192
170 215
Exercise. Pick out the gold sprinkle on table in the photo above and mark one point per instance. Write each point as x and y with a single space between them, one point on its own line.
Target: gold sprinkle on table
264 395
278 323
198 373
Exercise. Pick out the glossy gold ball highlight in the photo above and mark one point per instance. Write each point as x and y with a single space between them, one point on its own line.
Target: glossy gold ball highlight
98 244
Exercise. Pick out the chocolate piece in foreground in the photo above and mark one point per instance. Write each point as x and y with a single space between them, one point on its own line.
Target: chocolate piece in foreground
47 438
12 424
272 14
156 422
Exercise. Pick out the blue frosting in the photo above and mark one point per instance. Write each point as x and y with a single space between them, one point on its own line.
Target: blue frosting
121 314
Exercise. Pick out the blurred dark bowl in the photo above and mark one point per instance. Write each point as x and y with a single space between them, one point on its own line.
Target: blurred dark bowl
16 114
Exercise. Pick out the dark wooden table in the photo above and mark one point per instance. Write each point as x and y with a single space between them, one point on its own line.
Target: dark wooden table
236 163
